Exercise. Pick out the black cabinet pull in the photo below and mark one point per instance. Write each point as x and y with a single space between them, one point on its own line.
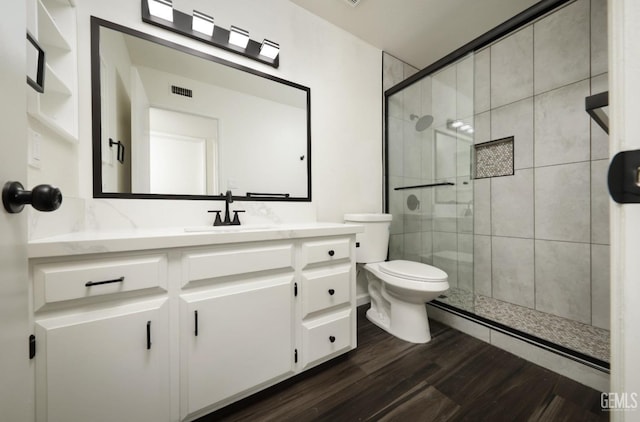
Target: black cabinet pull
332 339
195 315
331 292
148 335
332 252
97 283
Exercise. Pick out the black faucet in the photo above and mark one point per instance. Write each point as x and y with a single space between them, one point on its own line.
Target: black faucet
228 198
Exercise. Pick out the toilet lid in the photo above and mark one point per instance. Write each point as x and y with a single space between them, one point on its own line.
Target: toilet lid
412 271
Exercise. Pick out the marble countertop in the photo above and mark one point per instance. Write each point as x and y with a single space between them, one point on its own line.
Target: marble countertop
80 243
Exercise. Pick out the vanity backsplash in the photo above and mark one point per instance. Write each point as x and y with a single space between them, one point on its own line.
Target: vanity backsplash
108 215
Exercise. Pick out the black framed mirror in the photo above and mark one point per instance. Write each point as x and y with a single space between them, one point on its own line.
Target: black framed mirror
193 125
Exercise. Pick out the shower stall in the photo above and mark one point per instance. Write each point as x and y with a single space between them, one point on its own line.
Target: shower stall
495 174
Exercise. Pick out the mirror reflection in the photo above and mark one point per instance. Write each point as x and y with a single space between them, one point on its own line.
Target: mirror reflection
174 122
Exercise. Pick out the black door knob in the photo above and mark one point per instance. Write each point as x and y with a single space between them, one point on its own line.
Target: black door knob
331 292
42 197
331 252
332 339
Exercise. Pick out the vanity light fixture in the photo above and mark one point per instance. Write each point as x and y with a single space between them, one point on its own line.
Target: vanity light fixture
202 23
238 37
200 27
465 127
269 49
162 9
456 124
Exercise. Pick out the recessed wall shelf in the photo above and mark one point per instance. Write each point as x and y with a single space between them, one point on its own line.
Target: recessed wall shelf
182 24
55 83
48 30
494 158
53 24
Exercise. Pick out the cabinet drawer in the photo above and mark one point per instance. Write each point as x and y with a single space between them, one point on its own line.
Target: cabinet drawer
325 288
325 251
56 282
235 260
326 336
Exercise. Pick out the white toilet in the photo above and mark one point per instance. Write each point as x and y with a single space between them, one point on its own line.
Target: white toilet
398 289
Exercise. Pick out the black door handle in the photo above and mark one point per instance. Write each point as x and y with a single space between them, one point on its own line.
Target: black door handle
332 339
42 197
332 252
148 335
331 292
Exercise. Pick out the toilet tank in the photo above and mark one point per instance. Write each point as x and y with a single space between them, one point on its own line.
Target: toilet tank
374 241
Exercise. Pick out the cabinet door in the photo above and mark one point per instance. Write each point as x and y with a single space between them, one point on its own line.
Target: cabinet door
235 338
104 365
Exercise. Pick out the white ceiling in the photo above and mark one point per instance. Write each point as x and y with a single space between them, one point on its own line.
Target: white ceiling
418 32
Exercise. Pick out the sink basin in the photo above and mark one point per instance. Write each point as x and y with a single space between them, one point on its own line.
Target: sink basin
227 229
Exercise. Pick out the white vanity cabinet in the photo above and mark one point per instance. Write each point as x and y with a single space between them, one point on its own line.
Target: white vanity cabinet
173 328
236 331
328 325
90 361
98 343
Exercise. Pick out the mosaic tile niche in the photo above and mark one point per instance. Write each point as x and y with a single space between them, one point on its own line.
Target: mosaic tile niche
494 158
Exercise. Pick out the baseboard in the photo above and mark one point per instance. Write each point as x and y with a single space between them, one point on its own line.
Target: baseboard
568 367
363 299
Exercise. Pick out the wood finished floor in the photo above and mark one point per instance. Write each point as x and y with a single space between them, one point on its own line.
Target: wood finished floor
455 377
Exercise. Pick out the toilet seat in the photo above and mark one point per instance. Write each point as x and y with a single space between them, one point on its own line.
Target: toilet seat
414 271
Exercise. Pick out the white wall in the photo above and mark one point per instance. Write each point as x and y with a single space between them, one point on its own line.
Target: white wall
344 75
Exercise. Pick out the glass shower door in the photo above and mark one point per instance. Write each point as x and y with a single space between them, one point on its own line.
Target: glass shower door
429 189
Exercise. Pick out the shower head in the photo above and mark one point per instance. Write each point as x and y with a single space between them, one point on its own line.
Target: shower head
423 122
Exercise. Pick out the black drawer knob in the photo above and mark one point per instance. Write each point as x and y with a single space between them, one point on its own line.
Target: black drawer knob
331 292
332 252
332 339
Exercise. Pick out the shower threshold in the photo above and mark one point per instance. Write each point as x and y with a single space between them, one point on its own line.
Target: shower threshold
583 338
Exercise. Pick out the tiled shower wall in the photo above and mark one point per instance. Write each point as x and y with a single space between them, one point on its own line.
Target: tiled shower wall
541 236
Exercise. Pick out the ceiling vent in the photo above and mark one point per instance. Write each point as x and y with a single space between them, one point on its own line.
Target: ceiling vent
352 3
185 92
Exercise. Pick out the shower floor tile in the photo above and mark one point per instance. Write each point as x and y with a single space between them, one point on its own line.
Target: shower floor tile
460 298
574 335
